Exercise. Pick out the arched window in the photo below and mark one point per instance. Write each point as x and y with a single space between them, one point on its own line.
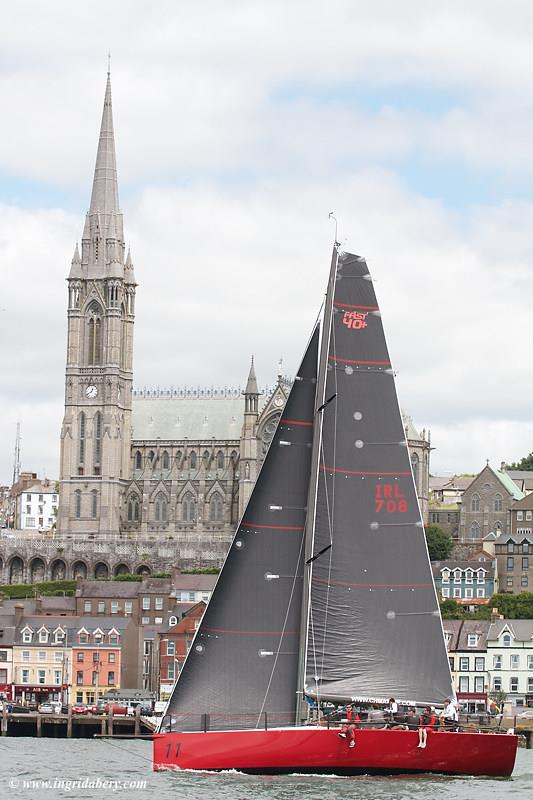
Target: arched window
138 460
97 441
220 460
475 503
94 503
192 460
151 457
94 342
216 508
160 508
82 435
77 503
133 508
498 502
415 463
178 459
165 460
475 532
207 458
188 507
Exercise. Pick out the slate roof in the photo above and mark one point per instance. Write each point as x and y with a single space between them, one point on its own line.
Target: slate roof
193 418
521 629
438 566
113 590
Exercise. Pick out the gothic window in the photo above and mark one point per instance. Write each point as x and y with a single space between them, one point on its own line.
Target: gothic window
498 502
123 340
138 460
77 503
133 508
94 345
151 458
220 460
178 459
415 463
234 456
160 508
216 508
82 434
206 458
475 503
165 460
94 503
475 532
192 460
188 507
97 440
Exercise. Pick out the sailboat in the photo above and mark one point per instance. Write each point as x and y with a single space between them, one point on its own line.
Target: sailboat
326 595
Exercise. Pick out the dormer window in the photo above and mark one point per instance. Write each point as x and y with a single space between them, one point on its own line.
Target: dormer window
43 636
172 621
83 637
445 576
457 577
59 636
27 635
510 546
506 640
469 576
473 639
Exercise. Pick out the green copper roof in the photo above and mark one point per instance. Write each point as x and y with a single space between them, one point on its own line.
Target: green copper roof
194 418
509 484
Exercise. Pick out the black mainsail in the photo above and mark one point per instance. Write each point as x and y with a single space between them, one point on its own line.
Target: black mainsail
243 660
374 626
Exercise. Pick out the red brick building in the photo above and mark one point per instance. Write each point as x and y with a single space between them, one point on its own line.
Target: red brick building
174 643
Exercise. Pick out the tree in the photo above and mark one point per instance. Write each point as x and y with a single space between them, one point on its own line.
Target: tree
439 543
449 609
526 463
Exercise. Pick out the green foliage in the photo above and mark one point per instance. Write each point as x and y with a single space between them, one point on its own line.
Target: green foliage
449 609
439 543
128 576
499 697
526 463
206 571
160 575
21 591
510 606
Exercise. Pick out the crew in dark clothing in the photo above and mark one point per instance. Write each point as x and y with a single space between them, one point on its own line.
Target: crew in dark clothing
413 720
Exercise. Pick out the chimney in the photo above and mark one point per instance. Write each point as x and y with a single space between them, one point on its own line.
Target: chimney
494 615
19 611
503 466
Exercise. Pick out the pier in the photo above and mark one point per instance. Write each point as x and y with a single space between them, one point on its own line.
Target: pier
76 726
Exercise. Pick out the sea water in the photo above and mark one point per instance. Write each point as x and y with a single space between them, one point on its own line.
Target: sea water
46 769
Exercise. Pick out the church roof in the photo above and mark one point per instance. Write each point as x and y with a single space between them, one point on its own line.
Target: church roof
194 418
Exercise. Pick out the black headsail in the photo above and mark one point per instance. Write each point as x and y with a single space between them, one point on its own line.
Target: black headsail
244 658
374 625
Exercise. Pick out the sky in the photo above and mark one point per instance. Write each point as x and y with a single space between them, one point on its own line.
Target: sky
239 126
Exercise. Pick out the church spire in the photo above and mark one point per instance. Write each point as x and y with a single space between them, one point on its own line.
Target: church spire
251 393
104 197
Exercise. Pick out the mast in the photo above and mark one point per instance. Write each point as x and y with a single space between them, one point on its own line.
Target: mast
321 403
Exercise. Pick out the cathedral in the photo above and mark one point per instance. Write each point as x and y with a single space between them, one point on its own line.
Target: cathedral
152 464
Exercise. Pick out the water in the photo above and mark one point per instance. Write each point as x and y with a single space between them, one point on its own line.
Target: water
25 760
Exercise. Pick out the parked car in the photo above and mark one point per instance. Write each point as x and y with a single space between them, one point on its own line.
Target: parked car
117 709
79 708
526 714
46 708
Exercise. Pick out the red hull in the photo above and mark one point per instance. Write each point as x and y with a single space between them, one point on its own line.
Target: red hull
320 750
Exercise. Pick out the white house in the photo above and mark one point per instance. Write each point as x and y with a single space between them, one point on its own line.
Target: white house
37 507
510 660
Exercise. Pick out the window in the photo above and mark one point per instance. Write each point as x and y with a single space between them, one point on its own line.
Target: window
146 603
481 576
464 663
110 678
145 620
188 507
3 655
479 664
128 608
469 576
525 547
59 637
28 498
138 460
457 592
42 676
510 563
95 331
160 508
77 503
79 658
506 640
519 516
509 582
515 662
171 671
43 637
113 638
510 547
481 592
479 684
25 655
524 581
94 503
81 440
192 460
497 662
42 655
134 507
111 657
25 676
165 460
513 684
97 440
26 636
94 680
445 576
498 502
114 606
216 508
98 637
497 683
525 562
530 685
96 658
171 648
451 662
475 503
173 621
205 597
529 515
220 460
530 662
57 677
457 576
101 606
30 522
464 683
158 603
469 592
158 621
87 607
473 639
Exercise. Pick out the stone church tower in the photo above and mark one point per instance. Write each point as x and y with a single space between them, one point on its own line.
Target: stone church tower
96 432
